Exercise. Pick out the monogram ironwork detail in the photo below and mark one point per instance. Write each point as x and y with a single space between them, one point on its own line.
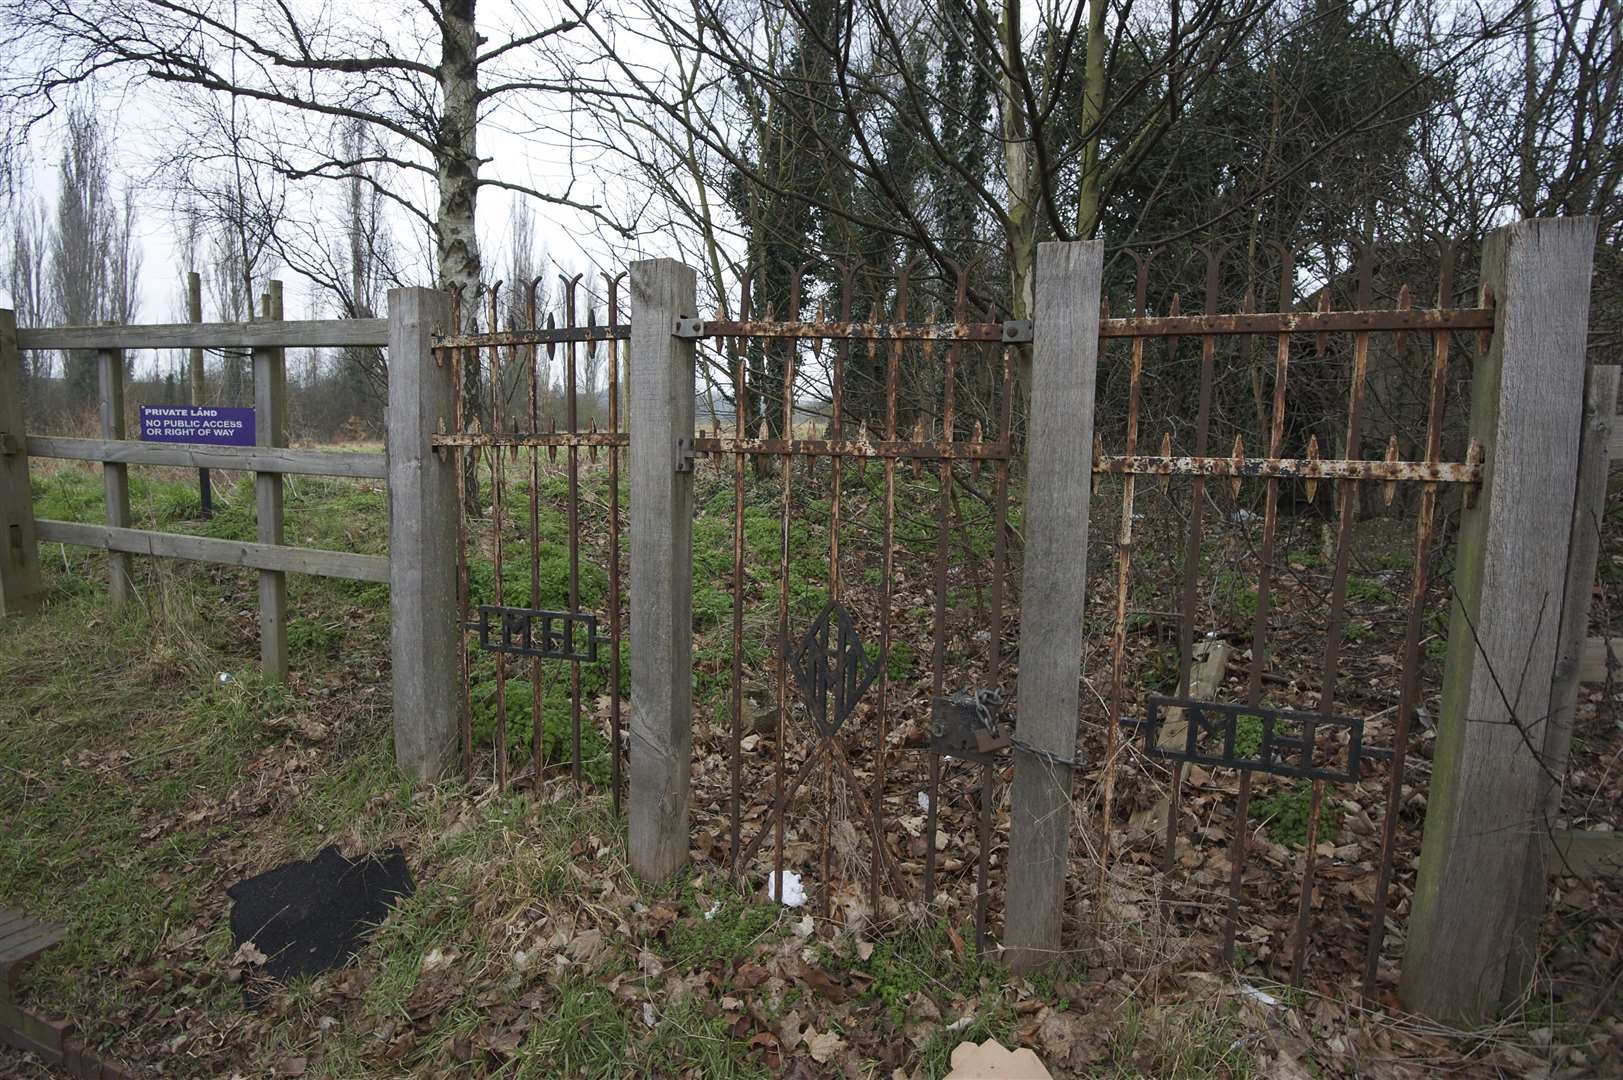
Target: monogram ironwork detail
833 669
1276 741
550 635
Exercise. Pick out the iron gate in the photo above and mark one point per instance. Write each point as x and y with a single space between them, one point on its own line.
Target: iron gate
815 405
1293 731
540 587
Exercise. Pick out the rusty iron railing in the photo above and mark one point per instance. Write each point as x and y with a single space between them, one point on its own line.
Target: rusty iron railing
835 695
1315 744
486 429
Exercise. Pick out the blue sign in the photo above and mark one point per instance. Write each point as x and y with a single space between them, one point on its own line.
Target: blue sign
197 424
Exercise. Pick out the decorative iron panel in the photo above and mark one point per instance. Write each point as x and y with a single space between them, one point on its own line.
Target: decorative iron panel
562 635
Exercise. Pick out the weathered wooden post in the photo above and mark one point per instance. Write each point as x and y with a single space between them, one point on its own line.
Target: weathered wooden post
22 588
1059 458
1583 553
115 477
1483 810
662 407
270 429
423 507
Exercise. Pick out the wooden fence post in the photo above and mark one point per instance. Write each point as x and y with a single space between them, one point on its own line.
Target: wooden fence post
662 408
1482 812
270 429
115 478
21 587
1583 553
424 616
1059 456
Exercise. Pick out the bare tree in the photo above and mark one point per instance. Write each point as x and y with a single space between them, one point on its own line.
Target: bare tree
525 270
26 271
92 262
419 76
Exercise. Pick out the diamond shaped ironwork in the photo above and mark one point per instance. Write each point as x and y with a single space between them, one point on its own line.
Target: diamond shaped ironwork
832 662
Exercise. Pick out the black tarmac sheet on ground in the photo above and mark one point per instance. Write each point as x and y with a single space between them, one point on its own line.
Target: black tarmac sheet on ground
308 917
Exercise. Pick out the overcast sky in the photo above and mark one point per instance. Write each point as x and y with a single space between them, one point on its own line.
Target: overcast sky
137 119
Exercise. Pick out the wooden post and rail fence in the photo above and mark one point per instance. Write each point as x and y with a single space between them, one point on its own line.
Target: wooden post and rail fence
1519 611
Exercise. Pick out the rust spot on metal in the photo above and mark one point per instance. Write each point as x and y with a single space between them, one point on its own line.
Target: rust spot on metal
1321 322
1310 469
550 439
1390 488
1473 459
770 329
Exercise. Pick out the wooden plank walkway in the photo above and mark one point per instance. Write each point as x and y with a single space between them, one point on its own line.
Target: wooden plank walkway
22 940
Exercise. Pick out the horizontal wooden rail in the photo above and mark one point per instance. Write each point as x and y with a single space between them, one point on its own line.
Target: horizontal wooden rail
304 334
297 560
266 459
1587 854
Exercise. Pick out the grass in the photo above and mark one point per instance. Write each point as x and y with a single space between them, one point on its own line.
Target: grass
140 786
1201 1040
1284 815
724 934
1247 735
1370 591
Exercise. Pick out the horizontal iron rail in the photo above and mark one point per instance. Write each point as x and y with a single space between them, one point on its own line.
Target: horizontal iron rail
320 333
1294 322
533 438
546 335
266 459
1447 472
1014 330
297 560
934 450
297 334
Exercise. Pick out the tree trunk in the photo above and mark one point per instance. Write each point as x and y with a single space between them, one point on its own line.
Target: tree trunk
1093 108
1022 210
456 164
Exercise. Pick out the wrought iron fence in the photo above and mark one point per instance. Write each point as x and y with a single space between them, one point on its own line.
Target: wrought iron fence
506 411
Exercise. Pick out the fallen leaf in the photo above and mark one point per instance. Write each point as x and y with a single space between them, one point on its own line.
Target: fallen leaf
749 976
584 945
437 959
819 980
823 1045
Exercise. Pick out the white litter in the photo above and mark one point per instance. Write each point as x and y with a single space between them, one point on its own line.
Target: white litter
924 801
1260 996
225 677
793 893
711 914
